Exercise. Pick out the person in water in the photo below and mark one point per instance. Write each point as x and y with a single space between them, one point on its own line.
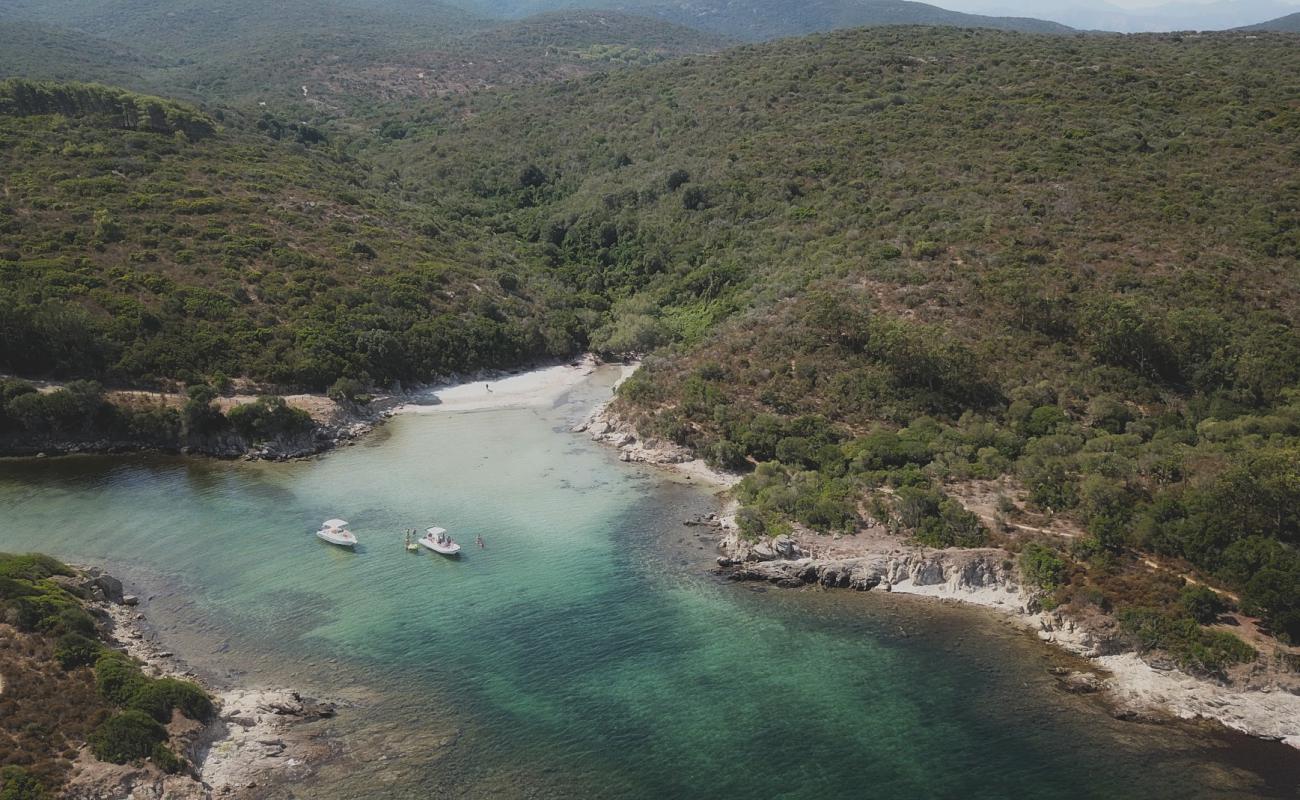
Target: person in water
479 540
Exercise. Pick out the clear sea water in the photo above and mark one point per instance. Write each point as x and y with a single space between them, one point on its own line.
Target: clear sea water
587 651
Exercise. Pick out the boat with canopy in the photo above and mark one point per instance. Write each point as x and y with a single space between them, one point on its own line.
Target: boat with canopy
437 540
335 531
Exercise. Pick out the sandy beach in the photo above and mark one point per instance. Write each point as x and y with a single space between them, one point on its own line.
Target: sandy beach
533 388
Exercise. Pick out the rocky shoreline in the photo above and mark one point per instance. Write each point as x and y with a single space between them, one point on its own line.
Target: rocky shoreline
257 737
606 427
1136 689
319 440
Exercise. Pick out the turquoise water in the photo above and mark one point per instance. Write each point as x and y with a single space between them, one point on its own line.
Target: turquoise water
586 652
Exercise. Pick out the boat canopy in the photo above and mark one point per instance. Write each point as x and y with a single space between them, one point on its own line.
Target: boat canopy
436 531
335 523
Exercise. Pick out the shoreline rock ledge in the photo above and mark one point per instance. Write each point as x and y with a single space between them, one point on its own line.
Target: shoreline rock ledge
1134 688
259 737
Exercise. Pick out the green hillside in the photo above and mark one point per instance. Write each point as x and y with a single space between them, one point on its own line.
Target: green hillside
320 60
35 50
257 249
240 51
912 258
758 20
872 267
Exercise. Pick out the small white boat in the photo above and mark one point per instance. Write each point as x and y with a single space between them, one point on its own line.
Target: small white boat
437 540
335 531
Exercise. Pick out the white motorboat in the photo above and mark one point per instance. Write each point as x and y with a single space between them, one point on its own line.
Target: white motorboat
437 540
335 531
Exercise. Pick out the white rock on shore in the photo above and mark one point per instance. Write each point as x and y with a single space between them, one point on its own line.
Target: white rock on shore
252 741
986 577
606 427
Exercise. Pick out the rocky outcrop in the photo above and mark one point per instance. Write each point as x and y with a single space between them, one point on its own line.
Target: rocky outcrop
606 427
947 572
256 738
1137 689
93 584
983 576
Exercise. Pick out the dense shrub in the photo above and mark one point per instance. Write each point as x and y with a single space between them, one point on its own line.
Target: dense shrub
1042 567
1201 603
118 678
1193 647
74 650
938 521
269 418
18 784
165 759
127 736
159 697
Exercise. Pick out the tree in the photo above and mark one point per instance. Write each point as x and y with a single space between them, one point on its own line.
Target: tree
200 417
1202 603
694 198
1042 567
348 392
17 783
1121 333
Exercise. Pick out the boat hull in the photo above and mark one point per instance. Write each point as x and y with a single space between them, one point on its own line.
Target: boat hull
444 550
348 541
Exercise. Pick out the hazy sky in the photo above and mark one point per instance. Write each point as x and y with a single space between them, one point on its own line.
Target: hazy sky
1030 8
1134 14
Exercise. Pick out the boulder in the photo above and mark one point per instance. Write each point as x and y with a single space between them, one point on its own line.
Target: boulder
110 586
1081 683
786 547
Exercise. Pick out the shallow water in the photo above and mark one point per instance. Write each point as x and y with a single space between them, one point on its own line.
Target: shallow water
585 652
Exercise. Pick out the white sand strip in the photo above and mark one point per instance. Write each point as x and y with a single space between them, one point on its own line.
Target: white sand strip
539 387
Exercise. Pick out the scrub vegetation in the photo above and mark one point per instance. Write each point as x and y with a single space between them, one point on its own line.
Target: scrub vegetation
878 264
870 268
64 688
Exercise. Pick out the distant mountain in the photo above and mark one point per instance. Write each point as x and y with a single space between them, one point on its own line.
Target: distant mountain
34 50
757 20
1104 16
229 28
1289 24
309 57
